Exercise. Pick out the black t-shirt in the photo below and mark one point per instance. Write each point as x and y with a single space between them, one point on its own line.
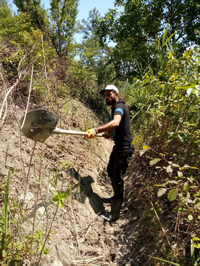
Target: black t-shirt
122 134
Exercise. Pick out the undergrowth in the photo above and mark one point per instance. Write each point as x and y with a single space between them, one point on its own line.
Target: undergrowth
166 175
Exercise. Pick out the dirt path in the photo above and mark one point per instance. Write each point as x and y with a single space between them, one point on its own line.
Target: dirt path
72 165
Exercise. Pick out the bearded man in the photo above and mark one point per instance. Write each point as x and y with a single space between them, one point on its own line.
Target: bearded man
119 129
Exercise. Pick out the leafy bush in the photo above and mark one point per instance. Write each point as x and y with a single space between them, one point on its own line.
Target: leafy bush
167 120
168 109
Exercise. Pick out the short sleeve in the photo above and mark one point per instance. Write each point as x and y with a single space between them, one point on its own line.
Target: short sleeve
119 110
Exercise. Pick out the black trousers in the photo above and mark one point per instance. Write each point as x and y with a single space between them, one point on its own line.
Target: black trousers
117 166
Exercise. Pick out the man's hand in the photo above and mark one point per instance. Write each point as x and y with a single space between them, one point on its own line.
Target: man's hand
91 133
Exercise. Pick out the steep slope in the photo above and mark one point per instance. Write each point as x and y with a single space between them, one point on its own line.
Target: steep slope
75 233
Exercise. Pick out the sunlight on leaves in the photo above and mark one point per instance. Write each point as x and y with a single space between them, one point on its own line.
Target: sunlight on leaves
59 198
173 193
154 161
169 169
143 152
161 192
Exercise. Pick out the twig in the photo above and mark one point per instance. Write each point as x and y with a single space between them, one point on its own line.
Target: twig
37 195
48 252
6 96
76 227
20 75
45 69
29 95
169 262
47 237
2 77
88 226
29 169
26 56
6 155
161 226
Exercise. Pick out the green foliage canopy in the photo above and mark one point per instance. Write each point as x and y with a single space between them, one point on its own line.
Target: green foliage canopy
63 18
136 30
36 12
91 54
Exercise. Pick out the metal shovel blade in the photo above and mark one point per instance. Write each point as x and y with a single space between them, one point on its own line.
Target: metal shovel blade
39 124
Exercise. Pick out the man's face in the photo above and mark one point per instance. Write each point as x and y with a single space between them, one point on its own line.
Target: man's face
110 97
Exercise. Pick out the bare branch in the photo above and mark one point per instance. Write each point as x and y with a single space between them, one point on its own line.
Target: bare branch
29 95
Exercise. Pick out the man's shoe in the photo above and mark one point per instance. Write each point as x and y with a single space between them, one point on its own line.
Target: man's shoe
115 210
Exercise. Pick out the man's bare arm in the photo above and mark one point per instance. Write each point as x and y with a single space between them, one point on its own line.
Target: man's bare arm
110 125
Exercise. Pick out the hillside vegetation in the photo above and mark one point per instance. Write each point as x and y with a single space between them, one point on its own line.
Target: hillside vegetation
52 193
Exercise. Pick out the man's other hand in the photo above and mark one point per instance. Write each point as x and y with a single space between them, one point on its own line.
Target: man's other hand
106 135
91 133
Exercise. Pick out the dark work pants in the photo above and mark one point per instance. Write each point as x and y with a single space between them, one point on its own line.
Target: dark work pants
117 166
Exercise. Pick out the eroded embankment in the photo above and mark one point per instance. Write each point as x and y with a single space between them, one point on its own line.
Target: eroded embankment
75 233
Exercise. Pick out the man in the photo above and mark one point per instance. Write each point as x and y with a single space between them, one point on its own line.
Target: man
119 128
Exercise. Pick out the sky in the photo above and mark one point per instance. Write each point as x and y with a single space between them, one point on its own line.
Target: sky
84 7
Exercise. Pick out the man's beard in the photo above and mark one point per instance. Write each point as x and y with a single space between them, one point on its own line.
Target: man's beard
110 102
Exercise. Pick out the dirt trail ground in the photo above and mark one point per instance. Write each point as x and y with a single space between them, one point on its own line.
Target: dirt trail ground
72 165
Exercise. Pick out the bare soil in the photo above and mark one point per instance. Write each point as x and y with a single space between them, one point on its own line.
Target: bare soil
76 166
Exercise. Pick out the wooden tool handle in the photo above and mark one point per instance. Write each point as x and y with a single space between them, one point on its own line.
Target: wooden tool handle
71 132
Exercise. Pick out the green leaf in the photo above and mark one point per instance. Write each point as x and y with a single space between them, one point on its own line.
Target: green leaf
197 246
193 167
187 86
59 198
143 152
161 192
197 92
154 161
197 204
175 165
196 239
180 174
60 203
167 40
189 91
190 217
185 167
46 251
63 196
173 193
171 182
56 198
192 252
181 137
185 187
146 147
169 169
171 134
165 33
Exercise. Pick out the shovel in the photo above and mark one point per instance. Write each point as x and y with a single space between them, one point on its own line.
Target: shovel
39 124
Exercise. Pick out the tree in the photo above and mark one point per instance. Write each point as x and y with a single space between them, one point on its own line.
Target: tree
63 22
89 50
87 27
4 9
136 30
58 25
36 12
7 21
91 54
